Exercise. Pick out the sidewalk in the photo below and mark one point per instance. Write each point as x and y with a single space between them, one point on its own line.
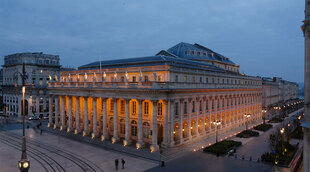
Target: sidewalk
178 151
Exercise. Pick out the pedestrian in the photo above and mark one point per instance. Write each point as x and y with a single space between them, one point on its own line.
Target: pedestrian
116 164
123 163
41 131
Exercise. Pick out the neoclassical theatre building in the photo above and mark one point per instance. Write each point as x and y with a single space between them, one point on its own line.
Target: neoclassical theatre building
165 100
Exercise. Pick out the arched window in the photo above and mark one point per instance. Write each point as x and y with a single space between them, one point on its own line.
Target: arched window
134 128
122 126
146 130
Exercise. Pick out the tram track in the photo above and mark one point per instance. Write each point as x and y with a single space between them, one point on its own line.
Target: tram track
82 164
43 159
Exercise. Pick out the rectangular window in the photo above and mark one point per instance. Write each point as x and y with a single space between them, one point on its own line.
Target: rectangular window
122 107
160 109
146 108
134 107
207 80
160 78
185 78
176 79
193 106
200 79
122 79
146 79
193 79
111 106
200 106
207 105
212 104
185 107
134 79
176 110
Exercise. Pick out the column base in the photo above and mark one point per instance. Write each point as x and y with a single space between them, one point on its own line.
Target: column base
126 142
84 133
55 126
76 131
154 148
49 125
103 137
93 135
139 145
114 140
172 143
68 130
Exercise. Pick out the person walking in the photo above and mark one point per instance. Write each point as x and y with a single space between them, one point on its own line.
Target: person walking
123 163
116 164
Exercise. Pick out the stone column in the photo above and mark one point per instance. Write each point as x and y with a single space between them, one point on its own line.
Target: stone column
197 115
166 128
104 118
189 119
94 134
50 110
115 122
70 114
181 110
204 106
154 146
127 136
56 111
62 113
85 117
77 115
210 114
171 121
37 106
140 139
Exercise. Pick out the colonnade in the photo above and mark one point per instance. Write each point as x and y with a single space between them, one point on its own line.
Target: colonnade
117 119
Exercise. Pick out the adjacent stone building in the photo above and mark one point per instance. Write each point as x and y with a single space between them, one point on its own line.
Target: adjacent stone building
277 90
170 98
40 70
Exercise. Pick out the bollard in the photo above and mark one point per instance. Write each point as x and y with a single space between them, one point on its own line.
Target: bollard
242 157
162 163
250 158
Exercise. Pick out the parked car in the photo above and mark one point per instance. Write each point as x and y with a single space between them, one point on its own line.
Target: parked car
34 118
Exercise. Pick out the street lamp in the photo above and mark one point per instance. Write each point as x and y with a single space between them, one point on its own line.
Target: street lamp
24 163
264 115
246 120
216 123
282 139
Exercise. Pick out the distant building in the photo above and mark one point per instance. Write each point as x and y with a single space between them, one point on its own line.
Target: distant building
1 91
276 90
168 99
40 69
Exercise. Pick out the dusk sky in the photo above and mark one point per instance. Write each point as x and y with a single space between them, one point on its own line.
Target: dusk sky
262 36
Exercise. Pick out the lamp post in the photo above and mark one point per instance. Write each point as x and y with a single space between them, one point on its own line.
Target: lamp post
216 123
246 120
282 140
264 115
24 163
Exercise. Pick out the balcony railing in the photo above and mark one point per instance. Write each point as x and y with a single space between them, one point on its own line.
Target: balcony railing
148 85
